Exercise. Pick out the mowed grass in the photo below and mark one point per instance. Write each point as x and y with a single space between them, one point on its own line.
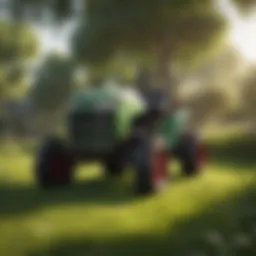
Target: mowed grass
213 214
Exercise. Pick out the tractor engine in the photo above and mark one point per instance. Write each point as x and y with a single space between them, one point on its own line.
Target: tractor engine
99 118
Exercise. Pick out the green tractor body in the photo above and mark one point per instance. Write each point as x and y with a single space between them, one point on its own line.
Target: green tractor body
115 126
102 117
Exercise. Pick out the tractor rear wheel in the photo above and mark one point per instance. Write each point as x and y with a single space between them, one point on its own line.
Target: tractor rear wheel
54 164
192 155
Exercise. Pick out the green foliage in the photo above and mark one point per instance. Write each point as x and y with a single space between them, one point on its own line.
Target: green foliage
245 6
13 83
53 84
142 28
18 43
177 29
122 69
61 9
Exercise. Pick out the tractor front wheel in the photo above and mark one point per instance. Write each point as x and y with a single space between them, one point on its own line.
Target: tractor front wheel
54 164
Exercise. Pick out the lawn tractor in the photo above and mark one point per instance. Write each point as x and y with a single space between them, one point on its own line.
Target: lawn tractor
118 127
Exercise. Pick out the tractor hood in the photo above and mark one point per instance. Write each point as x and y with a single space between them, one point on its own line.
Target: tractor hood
105 99
124 104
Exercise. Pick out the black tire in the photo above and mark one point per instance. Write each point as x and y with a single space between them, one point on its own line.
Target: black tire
146 181
113 166
189 154
54 164
117 160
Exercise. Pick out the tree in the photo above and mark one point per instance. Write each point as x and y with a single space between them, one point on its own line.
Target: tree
50 92
18 45
53 84
165 31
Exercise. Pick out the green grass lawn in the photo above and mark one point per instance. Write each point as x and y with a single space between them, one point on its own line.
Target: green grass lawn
214 214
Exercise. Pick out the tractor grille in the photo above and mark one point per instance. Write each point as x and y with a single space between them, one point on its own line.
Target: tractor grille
93 132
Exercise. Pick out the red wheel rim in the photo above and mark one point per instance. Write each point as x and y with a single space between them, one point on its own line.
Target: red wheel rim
160 167
202 155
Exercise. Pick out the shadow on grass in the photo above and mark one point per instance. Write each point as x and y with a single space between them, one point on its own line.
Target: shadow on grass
227 228
239 151
17 199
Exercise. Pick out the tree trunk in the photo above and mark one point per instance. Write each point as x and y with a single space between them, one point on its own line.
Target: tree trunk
165 78
162 77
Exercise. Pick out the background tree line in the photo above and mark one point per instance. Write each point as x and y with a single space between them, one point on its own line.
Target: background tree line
172 40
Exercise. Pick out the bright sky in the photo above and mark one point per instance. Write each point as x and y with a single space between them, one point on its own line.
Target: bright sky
54 40
243 37
243 31
242 34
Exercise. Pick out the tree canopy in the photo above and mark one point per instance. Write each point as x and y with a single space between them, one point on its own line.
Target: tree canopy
245 6
173 28
111 26
164 31
18 44
61 9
